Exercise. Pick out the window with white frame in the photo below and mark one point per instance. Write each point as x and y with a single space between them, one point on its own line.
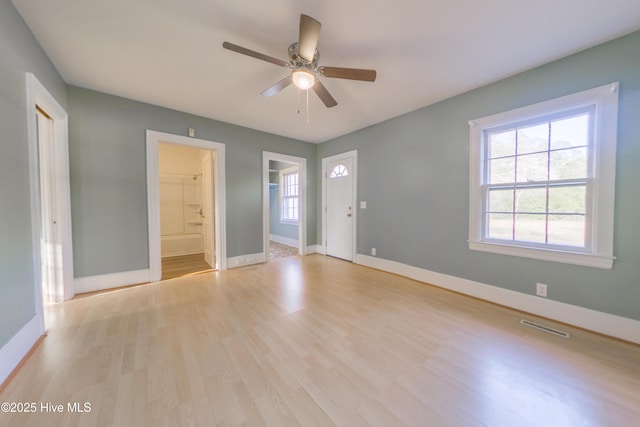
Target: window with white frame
542 179
289 195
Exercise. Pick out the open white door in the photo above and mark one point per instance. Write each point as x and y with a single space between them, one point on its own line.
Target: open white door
50 196
340 206
208 209
50 240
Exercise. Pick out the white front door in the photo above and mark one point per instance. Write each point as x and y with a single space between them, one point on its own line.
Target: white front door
339 208
208 210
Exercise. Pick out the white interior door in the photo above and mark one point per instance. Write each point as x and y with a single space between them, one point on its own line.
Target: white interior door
208 210
50 241
339 208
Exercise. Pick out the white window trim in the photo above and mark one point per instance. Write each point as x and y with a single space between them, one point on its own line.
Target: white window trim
281 175
599 252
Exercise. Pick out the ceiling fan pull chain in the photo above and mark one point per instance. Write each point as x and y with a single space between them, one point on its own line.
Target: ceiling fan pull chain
298 100
307 106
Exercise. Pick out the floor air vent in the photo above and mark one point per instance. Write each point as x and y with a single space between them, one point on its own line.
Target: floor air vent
545 328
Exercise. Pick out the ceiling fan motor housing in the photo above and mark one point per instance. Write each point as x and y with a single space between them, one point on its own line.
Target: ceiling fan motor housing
299 63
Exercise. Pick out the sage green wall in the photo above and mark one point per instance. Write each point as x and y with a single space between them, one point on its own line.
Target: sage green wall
19 53
413 171
108 178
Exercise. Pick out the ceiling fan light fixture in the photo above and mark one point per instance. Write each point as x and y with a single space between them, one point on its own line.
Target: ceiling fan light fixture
303 79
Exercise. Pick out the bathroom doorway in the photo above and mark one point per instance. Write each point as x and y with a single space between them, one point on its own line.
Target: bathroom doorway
185 197
186 210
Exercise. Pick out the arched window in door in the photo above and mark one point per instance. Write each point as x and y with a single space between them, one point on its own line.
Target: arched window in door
338 171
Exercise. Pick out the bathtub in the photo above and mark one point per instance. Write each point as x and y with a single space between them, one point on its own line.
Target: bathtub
181 244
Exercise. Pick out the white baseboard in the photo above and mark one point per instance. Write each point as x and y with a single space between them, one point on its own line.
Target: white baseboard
597 321
320 249
284 240
242 260
113 280
17 348
312 249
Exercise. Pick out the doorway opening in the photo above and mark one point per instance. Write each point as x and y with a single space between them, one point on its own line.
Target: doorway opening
185 198
50 198
284 205
187 234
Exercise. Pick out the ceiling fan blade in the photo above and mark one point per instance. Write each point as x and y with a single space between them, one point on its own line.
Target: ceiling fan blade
308 38
348 73
254 54
277 87
324 94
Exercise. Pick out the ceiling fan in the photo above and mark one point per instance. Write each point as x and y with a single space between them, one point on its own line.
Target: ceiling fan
303 62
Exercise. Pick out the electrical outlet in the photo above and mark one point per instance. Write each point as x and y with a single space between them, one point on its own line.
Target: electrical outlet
373 251
541 290
363 205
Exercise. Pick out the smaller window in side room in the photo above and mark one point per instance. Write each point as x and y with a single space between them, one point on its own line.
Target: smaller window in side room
542 179
289 195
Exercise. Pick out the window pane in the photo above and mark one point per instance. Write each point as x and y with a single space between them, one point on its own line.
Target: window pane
530 228
570 199
502 170
500 226
500 200
568 164
532 167
533 139
567 230
531 200
290 185
339 171
571 132
502 144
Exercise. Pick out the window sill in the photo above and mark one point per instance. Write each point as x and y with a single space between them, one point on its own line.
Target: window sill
289 222
576 258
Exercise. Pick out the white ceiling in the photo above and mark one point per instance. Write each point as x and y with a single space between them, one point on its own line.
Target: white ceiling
169 52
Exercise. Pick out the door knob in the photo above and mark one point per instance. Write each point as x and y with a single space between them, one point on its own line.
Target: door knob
349 214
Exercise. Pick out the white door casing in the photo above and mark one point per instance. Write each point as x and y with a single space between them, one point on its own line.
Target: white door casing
208 208
339 205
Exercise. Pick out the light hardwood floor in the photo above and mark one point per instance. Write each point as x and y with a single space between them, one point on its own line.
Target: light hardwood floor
178 266
314 341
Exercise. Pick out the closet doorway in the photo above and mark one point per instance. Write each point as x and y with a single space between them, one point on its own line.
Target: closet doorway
284 205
